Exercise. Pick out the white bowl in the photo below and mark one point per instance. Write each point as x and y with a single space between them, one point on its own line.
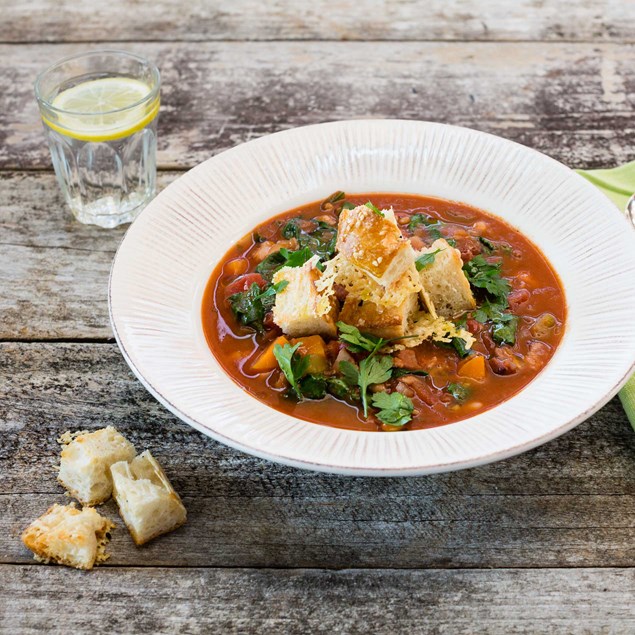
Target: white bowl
168 254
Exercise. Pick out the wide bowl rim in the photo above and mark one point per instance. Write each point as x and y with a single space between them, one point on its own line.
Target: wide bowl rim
441 466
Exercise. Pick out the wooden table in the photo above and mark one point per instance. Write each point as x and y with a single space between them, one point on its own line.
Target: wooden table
544 542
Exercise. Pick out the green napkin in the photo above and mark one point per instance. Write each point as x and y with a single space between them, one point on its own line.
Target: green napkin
618 184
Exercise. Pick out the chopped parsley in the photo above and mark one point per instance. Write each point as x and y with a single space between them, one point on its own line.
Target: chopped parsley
394 409
504 325
374 208
487 276
426 260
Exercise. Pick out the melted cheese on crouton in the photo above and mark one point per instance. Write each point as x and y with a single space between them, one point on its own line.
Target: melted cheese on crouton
147 501
68 536
373 242
85 463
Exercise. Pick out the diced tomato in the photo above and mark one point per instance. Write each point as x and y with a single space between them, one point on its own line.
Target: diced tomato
244 282
517 298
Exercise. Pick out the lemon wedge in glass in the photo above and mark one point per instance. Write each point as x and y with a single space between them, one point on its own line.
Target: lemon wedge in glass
103 109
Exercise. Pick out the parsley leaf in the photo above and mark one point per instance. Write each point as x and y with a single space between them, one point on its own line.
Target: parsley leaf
292 364
395 409
349 372
373 370
486 275
296 258
426 260
358 342
459 391
374 208
504 325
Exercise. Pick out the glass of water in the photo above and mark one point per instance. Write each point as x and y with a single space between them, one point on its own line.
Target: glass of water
100 113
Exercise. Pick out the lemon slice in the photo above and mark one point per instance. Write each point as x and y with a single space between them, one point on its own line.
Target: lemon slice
102 109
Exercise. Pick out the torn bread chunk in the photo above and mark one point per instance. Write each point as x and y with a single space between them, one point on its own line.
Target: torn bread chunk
68 536
378 320
299 308
445 282
85 463
147 501
373 242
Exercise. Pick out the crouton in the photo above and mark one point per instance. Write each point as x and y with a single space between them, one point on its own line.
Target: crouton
384 322
373 242
85 463
299 308
444 280
68 536
147 501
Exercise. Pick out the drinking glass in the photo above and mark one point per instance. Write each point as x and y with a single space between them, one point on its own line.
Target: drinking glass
100 113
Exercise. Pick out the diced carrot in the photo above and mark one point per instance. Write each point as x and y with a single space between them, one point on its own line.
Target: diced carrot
267 360
314 346
236 267
473 367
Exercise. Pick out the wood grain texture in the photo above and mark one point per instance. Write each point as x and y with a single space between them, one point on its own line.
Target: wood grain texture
568 503
572 101
312 601
201 20
53 270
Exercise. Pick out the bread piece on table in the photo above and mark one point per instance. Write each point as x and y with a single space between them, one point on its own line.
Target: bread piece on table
86 460
386 322
298 307
373 242
66 535
147 501
445 282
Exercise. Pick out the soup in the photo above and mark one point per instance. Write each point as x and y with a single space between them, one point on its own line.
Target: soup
383 312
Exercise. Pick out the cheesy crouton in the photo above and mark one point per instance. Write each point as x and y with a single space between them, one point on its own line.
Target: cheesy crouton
85 463
68 536
147 501
445 282
373 242
386 322
299 308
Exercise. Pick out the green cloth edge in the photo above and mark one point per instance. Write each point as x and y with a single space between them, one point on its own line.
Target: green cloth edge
619 185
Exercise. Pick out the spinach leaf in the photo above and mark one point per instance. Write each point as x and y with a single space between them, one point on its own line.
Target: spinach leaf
292 364
395 409
340 389
488 245
270 265
250 306
459 391
313 386
433 227
402 372
459 345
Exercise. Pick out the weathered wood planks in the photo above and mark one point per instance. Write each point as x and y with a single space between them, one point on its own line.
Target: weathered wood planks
599 20
229 601
572 101
53 270
569 503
